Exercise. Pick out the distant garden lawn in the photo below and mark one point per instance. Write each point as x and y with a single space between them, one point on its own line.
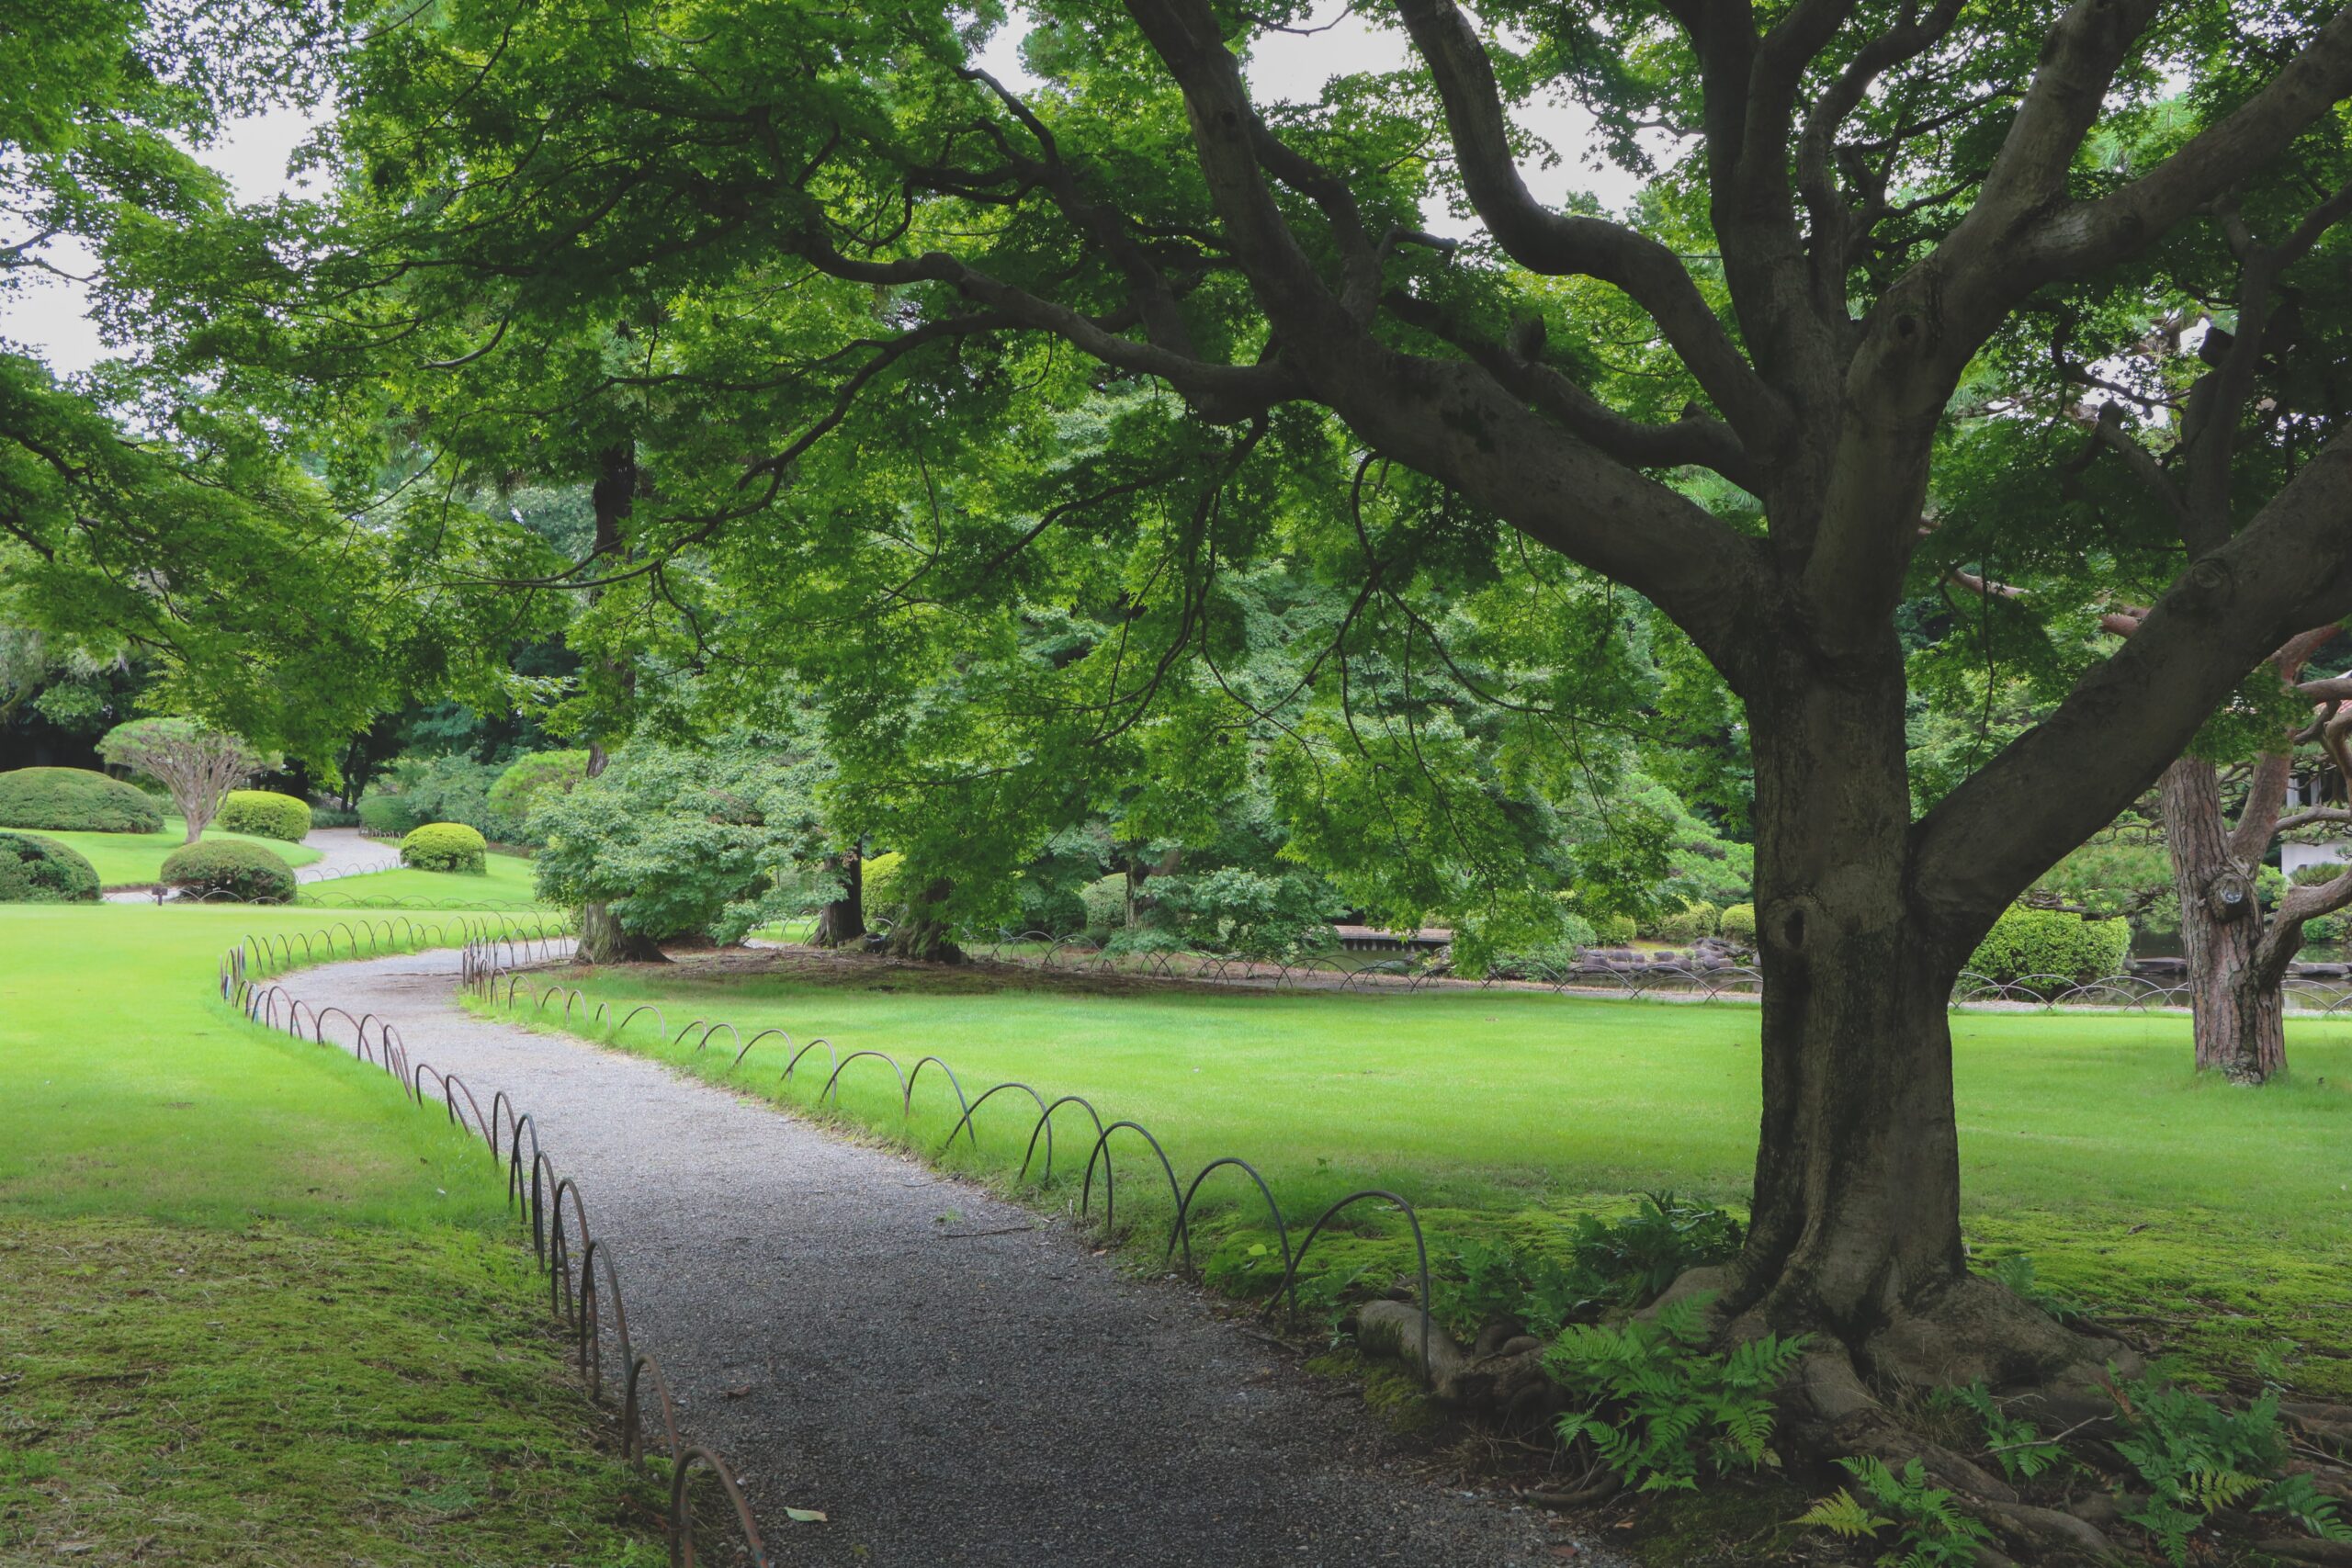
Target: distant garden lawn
134 860
2221 1218
504 884
256 1309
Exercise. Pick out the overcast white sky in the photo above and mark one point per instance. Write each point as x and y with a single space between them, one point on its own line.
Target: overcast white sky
47 315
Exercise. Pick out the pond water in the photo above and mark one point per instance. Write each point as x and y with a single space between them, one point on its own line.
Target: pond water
2166 944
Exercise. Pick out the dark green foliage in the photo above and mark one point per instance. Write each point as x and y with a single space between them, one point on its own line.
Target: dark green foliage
34 870
444 846
448 788
531 776
74 800
387 816
2051 941
1661 1403
266 814
1624 1262
1280 911
1930 1531
231 869
2197 1459
2017 1447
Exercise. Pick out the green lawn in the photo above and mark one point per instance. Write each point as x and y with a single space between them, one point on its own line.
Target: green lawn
255 1308
133 860
2085 1141
505 884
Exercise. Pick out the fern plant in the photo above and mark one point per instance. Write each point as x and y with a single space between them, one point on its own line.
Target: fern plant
2016 1274
1660 1404
2198 1458
1930 1531
2017 1447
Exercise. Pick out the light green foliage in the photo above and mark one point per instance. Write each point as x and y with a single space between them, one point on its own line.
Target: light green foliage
264 815
387 815
882 885
443 787
1930 1531
2051 941
504 882
1613 930
34 869
1106 904
136 860
1739 924
230 868
2125 871
2017 1447
1284 912
1660 1404
1693 919
444 846
2197 1459
676 840
76 800
2016 1274
533 774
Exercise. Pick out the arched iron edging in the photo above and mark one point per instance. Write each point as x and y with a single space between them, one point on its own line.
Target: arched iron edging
827 1092
831 1055
1290 1277
682 1535
1101 1149
1045 1125
907 1102
1182 1227
966 1124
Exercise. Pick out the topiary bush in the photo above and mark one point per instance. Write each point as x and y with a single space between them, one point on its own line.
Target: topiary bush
2051 941
34 870
1106 905
1612 931
446 846
75 800
1697 918
879 892
266 814
1739 925
225 868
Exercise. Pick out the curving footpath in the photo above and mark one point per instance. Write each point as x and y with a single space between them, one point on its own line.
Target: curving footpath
952 1378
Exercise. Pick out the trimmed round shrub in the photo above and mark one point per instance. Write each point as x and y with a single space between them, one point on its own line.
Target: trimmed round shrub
2051 941
1106 905
387 816
34 870
224 868
878 888
1739 924
75 800
1613 930
266 814
446 846
1696 919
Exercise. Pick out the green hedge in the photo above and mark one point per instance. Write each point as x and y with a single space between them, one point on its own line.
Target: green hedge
2051 941
387 815
225 867
1739 924
446 846
266 814
1697 918
75 800
1613 930
1106 904
34 870
878 892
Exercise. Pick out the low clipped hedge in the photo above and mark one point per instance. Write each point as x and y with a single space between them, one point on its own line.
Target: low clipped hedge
1739 924
34 870
75 800
2051 941
446 846
266 814
1696 919
223 868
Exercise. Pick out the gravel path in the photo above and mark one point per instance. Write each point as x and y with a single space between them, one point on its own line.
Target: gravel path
952 1378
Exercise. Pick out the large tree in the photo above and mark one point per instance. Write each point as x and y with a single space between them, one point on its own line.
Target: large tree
862 250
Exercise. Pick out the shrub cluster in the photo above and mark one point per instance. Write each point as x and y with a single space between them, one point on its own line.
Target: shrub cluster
879 892
266 814
226 868
446 846
75 800
1697 918
1739 925
2051 941
34 870
387 815
1106 905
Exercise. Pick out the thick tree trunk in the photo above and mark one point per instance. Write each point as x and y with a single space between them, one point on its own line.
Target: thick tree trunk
2234 997
843 921
603 941
923 934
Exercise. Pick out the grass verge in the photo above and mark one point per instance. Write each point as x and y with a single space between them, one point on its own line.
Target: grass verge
134 860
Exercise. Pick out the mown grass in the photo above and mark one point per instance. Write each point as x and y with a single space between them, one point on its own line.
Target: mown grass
505 883
134 860
2219 1218
255 1308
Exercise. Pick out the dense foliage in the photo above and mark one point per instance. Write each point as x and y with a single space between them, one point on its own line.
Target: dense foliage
73 800
2025 943
444 846
229 868
531 776
34 870
265 814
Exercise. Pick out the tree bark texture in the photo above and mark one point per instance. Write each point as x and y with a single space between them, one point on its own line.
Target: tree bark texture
922 933
603 941
843 921
2234 996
